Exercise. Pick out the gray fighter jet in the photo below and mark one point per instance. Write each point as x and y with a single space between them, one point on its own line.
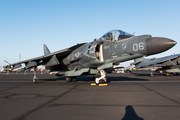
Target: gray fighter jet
93 57
170 64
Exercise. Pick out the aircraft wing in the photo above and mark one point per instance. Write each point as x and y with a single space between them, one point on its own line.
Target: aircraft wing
164 61
42 60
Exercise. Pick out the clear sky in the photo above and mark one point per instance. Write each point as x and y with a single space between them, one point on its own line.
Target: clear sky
25 25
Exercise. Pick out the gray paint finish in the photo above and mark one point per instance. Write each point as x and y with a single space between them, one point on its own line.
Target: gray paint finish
113 47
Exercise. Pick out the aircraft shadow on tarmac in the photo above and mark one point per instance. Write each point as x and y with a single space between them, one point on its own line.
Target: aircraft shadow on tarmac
131 114
90 78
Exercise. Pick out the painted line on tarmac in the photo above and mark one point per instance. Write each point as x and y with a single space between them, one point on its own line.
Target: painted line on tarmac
93 83
104 84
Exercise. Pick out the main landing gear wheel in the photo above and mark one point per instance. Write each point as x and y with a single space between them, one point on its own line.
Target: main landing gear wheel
71 79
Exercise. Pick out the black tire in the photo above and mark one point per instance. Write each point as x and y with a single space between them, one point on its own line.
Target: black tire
93 78
73 79
101 81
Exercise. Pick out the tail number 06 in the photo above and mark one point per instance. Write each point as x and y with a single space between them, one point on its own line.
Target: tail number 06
139 46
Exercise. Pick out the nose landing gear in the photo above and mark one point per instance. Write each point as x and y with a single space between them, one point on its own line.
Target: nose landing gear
100 78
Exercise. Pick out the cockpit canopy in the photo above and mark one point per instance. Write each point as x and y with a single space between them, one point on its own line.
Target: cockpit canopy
115 35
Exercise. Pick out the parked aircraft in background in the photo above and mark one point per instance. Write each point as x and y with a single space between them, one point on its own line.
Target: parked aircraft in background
93 57
2 70
10 67
140 61
169 64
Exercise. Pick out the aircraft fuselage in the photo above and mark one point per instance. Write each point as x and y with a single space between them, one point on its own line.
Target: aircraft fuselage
103 53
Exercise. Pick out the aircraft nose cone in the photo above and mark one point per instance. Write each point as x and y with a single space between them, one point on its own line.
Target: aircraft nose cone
156 45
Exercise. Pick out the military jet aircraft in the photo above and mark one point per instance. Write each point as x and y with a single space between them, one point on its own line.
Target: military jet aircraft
170 64
93 57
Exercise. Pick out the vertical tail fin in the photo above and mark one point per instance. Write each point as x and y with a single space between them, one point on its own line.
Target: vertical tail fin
46 50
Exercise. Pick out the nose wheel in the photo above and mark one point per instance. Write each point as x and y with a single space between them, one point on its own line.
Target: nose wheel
97 81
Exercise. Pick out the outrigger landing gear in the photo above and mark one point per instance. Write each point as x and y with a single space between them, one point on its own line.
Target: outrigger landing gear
8 72
100 78
71 79
35 78
151 74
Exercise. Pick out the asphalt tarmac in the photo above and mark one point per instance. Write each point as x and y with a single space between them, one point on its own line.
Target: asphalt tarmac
128 96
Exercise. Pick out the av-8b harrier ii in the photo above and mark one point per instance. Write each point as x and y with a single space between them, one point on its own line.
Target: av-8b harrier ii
93 57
